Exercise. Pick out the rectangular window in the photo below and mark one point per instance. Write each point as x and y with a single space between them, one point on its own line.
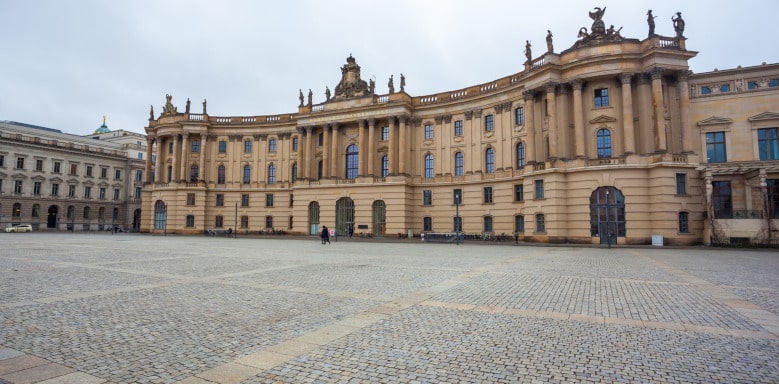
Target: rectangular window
138 175
519 116
18 186
684 222
539 190
601 97
116 194
295 144
244 221
385 133
219 222
57 166
488 195
190 199
138 191
39 165
117 174
427 224
428 131
2 161
73 169
268 199
245 200
268 221
20 163
55 189
71 191
101 193
681 184
489 123
89 171
104 173
457 223
768 143
458 127
715 147
540 223
190 221
519 223
272 145
487 223
722 199
321 139
36 188
247 146
222 146
170 147
220 200
140 155
195 146
519 192
87 192
457 196
427 197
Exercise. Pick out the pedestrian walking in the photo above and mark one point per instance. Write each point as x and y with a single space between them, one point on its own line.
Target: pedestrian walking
325 235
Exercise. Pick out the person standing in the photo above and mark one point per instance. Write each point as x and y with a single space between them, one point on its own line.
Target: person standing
325 235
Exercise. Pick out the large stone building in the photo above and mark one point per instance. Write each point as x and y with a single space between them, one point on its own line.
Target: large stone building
610 140
58 181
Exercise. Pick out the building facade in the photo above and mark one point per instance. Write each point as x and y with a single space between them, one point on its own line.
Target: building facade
612 140
57 181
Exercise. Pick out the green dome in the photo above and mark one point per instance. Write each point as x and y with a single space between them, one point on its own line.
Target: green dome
103 128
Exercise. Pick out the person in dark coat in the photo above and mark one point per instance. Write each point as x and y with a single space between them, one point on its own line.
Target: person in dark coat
325 235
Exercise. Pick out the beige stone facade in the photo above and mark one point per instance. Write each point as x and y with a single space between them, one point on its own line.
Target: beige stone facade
605 141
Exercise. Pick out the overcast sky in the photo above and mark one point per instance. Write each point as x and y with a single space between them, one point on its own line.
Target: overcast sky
66 64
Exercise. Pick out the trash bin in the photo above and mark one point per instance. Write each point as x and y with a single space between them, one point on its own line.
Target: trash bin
657 240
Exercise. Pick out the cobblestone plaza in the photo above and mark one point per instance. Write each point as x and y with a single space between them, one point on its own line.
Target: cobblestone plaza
97 308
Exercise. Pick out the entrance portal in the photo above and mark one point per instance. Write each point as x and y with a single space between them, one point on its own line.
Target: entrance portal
607 214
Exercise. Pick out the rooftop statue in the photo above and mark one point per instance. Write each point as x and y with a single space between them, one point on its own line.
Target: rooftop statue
168 109
678 25
351 85
651 21
598 33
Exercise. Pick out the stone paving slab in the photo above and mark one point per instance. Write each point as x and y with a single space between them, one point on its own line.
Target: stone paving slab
94 308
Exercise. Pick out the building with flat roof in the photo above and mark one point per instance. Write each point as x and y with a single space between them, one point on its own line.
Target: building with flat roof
612 140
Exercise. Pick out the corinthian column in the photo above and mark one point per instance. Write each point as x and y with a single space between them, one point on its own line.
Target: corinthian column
371 146
530 145
149 145
552 111
334 150
657 104
684 111
184 152
402 143
628 131
578 119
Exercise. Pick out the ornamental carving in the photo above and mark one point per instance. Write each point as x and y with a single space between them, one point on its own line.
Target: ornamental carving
351 85
598 33
168 109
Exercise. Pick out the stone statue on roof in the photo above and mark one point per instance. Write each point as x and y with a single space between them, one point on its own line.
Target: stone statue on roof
351 85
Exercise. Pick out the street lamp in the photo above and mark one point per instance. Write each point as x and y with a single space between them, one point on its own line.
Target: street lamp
608 220
235 232
457 197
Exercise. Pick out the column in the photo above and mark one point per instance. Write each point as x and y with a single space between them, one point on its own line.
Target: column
506 147
371 147
498 130
628 132
149 145
475 152
438 160
393 146
362 138
657 104
578 119
530 141
326 137
333 151
402 143
305 162
202 160
468 151
184 151
158 171
684 111
283 165
175 160
552 111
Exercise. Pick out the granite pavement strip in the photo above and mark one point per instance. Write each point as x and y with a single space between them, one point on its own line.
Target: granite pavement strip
92 308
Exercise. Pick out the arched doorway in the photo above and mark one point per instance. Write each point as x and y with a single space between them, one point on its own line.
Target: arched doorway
313 218
52 221
379 219
344 215
607 214
136 220
160 215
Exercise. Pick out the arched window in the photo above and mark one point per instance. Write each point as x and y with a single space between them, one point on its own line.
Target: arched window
351 161
194 173
247 174
429 166
489 160
220 174
604 143
458 164
294 176
272 174
520 155
384 166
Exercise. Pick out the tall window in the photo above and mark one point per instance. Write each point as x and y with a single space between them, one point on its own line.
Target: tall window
138 175
457 196
272 145
384 166
540 223
489 123
519 116
36 188
57 166
220 199
170 147
681 183
55 189
71 191
773 198
20 163
319 170
458 127
87 212
195 146
247 146
715 147
245 200
427 197
428 131
352 157
459 164
87 192
427 224
294 176
268 221
519 223
244 221
768 143
429 166
722 199
539 189
601 97
487 223
117 174
222 146
219 221
194 172
220 174
272 174
116 194
457 223
684 222
604 143
295 144
519 192
520 155
385 133
18 187
487 195
268 199
190 221
101 193
247 174
321 139
190 199
36 210
489 160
